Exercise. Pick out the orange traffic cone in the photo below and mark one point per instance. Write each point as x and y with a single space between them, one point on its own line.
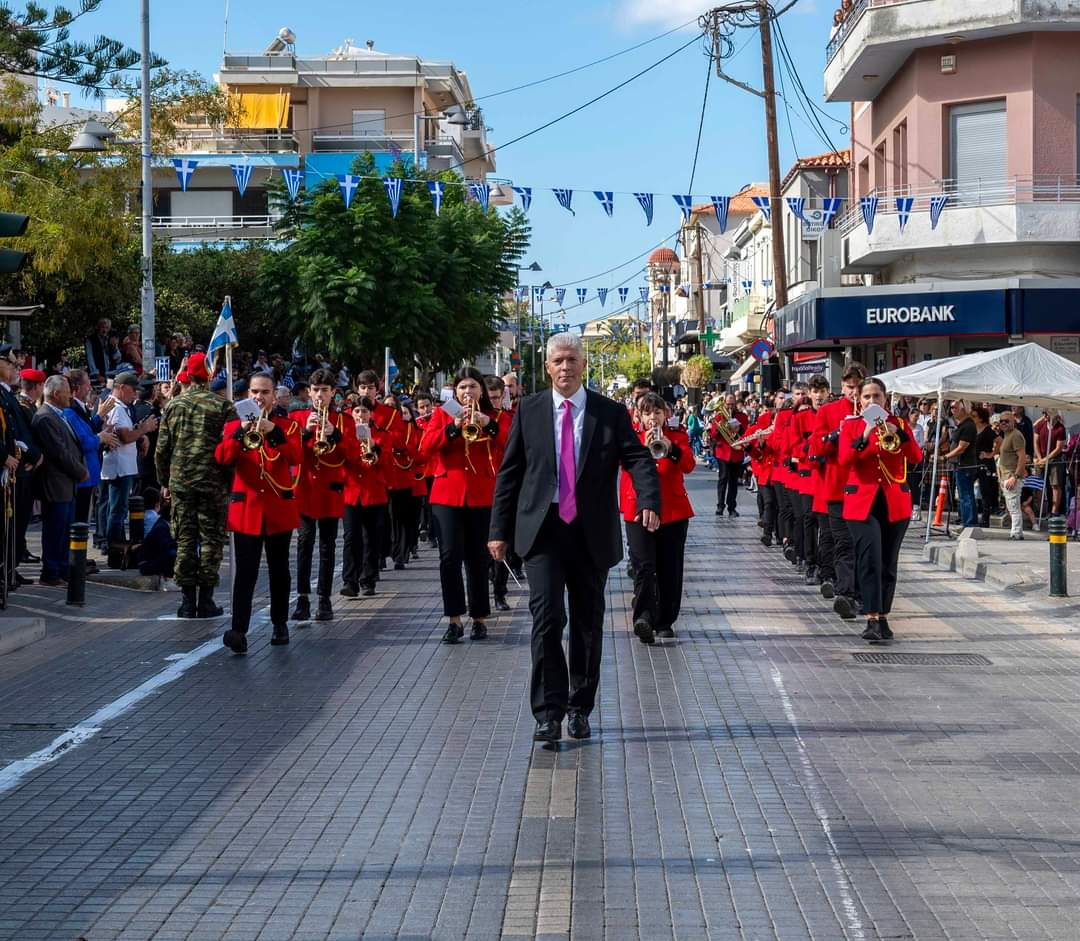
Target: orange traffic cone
942 495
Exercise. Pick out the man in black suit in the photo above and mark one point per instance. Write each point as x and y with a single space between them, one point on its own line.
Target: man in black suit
556 502
29 456
61 472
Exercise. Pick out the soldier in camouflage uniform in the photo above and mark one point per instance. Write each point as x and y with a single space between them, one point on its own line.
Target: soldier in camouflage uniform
191 429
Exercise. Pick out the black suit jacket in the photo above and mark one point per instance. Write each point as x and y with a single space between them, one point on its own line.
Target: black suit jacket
64 467
528 478
20 428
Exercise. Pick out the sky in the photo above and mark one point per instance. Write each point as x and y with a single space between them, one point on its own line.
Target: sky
641 138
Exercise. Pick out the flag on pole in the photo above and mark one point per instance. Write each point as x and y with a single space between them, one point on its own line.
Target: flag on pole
937 204
602 294
481 193
560 295
607 200
644 291
225 331
797 204
162 370
645 200
903 209
623 294
764 205
747 287
582 293
349 185
185 170
685 203
242 174
565 197
437 188
830 206
721 204
525 192
869 205
292 181
393 186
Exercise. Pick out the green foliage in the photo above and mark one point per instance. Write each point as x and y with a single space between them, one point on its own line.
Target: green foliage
698 372
633 361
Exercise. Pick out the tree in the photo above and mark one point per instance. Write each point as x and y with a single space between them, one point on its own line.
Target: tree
356 280
633 361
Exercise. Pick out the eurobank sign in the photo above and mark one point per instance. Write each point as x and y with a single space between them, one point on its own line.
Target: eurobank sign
938 313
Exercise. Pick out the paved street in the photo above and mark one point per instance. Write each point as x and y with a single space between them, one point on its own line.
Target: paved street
750 779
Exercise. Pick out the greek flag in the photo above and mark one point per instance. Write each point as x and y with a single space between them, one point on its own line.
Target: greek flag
721 204
607 200
525 192
393 186
292 182
582 293
830 206
162 372
242 173
564 197
937 204
869 205
521 293
1033 482
185 170
645 200
349 184
225 331
481 193
623 294
685 203
560 295
288 381
747 287
797 204
764 205
540 292
644 292
766 282
903 209
602 294
437 188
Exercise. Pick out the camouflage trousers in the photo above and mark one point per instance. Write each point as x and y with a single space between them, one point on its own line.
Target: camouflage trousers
198 526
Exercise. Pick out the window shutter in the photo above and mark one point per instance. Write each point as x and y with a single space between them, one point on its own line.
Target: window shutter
979 145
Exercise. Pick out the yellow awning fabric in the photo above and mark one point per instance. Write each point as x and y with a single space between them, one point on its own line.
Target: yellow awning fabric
261 109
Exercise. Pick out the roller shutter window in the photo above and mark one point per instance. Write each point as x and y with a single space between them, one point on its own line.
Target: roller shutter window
979 150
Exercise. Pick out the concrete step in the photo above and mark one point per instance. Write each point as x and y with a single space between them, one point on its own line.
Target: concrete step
19 632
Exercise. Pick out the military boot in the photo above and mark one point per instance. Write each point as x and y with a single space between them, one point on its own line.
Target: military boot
188 605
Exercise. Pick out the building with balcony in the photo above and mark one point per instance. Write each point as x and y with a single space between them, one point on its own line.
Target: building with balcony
974 103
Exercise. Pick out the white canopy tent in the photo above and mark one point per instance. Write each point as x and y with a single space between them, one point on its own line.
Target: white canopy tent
1027 374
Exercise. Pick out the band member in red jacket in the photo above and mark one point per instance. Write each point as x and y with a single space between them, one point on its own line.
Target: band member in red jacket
877 501
729 460
399 472
424 407
463 451
263 513
782 474
500 572
807 479
658 556
365 507
761 463
329 449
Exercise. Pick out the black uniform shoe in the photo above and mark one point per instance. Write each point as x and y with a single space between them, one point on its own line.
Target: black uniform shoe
235 641
577 725
479 631
548 731
302 611
884 629
349 591
719 511
828 589
811 575
207 608
280 636
845 607
872 631
789 553
732 512
454 633
189 604
27 558
325 611
766 541
644 631
368 591
500 603
664 632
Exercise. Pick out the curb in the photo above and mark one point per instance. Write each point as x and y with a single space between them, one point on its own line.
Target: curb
123 579
16 633
962 557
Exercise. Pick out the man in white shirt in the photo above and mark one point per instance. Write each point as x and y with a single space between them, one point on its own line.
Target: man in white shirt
120 466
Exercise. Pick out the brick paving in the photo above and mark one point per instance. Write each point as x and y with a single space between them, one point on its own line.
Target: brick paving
749 779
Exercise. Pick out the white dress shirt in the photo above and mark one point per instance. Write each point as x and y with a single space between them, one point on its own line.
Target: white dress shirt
577 404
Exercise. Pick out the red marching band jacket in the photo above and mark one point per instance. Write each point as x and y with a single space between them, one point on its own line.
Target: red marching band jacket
761 458
776 447
263 498
824 448
674 501
364 483
799 434
869 469
323 478
721 449
464 472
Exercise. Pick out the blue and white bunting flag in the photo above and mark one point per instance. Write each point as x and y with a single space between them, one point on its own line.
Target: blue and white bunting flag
521 292
797 204
565 197
525 192
292 181
242 174
937 204
645 200
764 205
162 368
349 184
393 186
437 188
869 205
623 294
185 170
903 210
644 292
685 203
225 331
540 291
582 293
481 192
766 282
747 287
607 200
721 204
830 206
602 294
560 296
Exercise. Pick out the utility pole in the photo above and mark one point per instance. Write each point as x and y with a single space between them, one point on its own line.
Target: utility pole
697 296
776 215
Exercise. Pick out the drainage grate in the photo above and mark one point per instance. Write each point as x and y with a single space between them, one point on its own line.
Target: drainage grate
923 659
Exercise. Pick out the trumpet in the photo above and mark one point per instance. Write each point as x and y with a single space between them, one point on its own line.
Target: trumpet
470 429
659 446
323 445
888 441
253 439
367 450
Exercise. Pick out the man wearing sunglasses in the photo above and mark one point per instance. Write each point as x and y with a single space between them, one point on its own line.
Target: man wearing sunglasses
1012 465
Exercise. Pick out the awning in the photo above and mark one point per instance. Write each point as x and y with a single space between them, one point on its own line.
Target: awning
748 366
266 110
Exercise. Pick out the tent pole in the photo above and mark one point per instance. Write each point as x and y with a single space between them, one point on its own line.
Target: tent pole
937 450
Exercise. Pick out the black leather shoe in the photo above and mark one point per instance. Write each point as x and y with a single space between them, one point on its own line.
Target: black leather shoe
732 513
548 731
789 553
454 633
27 558
368 591
766 541
349 591
479 631
644 631
188 605
280 636
207 607
828 589
577 725
500 604
872 631
302 611
844 607
235 641
664 632
884 629
325 610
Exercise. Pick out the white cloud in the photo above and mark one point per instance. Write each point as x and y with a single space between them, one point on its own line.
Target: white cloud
677 12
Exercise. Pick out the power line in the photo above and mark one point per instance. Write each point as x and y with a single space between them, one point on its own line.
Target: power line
811 112
701 123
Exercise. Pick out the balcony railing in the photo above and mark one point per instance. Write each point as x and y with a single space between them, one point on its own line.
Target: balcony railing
213 223
359 140
969 194
236 140
852 18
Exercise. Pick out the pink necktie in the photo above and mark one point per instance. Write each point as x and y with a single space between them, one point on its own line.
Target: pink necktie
567 466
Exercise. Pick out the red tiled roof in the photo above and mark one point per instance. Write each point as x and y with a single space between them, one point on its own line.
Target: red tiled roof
741 204
830 161
663 256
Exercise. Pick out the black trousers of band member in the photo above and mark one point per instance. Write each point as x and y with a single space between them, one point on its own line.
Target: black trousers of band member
797 528
785 517
809 527
463 535
877 553
658 571
559 563
500 574
362 532
826 549
767 496
403 522
843 550
305 548
728 474
249 550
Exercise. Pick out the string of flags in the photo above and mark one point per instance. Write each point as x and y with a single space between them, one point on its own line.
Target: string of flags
480 192
539 294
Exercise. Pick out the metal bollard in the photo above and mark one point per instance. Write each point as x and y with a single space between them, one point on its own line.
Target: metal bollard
135 520
1059 546
76 587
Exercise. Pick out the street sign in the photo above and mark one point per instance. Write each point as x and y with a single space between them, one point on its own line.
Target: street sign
761 350
815 221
